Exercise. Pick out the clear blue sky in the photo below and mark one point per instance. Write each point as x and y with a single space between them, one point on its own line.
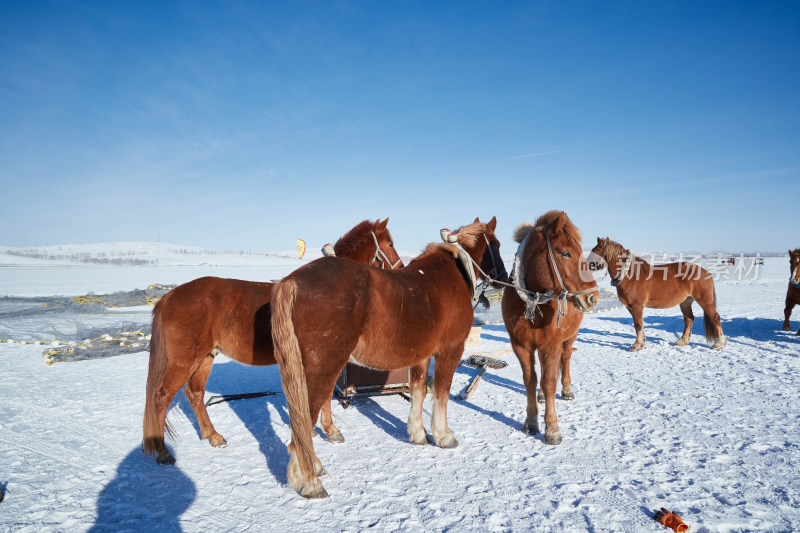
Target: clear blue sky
242 125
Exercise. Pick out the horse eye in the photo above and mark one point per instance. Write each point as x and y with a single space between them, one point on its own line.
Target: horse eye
391 245
565 254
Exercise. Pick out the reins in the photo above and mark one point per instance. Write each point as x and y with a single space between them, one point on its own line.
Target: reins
532 299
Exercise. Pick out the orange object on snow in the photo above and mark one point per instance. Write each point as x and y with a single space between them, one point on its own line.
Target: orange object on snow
670 520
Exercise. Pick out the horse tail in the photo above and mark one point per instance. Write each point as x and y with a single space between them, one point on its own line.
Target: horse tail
708 324
303 463
152 431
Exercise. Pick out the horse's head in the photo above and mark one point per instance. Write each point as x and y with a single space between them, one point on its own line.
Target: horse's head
794 265
491 262
371 243
597 261
385 254
479 241
554 260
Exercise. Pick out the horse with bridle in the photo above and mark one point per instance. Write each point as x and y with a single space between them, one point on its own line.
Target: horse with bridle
640 284
202 318
334 310
552 287
793 291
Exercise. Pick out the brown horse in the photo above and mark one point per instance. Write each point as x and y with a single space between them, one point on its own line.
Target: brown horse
332 310
197 320
552 288
793 292
640 284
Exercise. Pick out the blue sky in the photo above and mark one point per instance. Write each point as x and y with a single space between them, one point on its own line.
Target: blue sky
242 125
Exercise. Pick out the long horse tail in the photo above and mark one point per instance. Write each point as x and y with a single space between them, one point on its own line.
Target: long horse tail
152 430
303 464
708 324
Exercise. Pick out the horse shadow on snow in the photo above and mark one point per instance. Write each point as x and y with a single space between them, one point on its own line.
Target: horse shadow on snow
144 496
757 329
231 377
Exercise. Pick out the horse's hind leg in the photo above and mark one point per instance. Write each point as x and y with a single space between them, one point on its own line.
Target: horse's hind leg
688 320
195 392
446 363
566 379
419 389
332 433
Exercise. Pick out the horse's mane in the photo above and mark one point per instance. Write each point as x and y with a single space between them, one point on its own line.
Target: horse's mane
352 241
467 237
570 230
613 251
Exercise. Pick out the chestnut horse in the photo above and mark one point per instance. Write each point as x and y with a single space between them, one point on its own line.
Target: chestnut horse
332 310
552 289
197 320
640 284
793 292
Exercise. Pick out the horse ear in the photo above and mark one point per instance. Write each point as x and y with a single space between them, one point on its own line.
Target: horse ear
599 240
558 224
477 220
382 225
492 225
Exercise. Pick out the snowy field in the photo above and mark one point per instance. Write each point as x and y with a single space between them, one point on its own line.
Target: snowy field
711 435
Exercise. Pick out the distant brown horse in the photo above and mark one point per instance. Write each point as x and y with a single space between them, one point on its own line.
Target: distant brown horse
332 310
793 292
197 320
640 284
552 288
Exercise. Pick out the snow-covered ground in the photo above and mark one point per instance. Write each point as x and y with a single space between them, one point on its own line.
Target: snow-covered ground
712 435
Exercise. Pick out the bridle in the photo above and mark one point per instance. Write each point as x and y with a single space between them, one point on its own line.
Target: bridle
795 279
379 259
534 299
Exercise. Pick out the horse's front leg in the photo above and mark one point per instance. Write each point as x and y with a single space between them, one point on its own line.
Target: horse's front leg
787 312
637 312
550 361
419 389
526 361
566 379
446 363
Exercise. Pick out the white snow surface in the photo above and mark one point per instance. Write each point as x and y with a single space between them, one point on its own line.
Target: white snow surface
712 435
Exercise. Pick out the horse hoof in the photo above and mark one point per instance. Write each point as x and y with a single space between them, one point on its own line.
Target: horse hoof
165 458
336 437
448 441
681 342
636 347
787 326
218 441
553 440
540 398
420 440
313 490
567 395
720 344
530 429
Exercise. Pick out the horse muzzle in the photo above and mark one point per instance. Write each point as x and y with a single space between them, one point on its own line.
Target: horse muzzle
588 302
